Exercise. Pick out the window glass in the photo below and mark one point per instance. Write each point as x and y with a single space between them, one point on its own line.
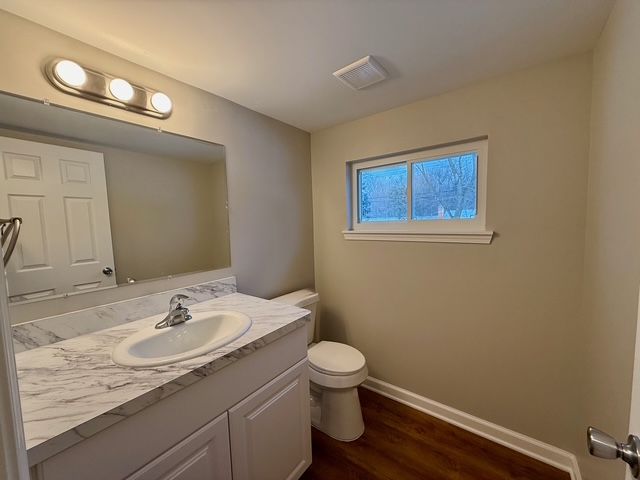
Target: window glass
382 193
446 188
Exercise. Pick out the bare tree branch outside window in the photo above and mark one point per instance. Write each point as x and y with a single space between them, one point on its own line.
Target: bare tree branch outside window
445 188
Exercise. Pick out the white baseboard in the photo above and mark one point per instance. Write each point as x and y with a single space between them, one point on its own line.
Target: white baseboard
531 447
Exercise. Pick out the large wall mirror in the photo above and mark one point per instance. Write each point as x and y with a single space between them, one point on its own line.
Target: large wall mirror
106 203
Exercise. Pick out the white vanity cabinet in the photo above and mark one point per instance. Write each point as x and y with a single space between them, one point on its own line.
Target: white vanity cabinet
270 429
203 455
248 421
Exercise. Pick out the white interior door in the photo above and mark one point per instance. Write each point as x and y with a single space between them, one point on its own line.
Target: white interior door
65 241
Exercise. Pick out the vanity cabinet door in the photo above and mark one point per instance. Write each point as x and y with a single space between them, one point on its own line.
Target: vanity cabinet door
271 429
204 455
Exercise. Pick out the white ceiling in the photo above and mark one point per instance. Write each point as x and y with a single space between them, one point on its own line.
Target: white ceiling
277 56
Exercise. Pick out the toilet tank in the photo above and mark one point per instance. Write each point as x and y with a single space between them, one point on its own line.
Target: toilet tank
305 298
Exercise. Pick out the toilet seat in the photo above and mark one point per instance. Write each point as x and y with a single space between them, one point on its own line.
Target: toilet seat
337 381
336 365
334 358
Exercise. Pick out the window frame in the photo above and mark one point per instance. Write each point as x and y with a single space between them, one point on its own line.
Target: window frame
456 231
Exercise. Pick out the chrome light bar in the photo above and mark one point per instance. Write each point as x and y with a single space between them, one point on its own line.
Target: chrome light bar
72 78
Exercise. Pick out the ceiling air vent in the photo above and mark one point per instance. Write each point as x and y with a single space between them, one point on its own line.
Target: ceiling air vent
361 73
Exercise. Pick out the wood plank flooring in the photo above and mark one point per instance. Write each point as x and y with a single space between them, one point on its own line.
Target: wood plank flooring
401 443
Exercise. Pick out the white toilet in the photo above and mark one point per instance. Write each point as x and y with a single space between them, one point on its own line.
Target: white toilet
335 372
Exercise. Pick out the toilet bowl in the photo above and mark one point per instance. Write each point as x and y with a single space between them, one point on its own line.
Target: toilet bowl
335 372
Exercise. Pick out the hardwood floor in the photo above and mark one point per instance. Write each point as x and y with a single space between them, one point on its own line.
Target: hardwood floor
401 443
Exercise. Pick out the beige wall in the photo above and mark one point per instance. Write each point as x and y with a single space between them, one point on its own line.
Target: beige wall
166 216
612 252
267 161
488 329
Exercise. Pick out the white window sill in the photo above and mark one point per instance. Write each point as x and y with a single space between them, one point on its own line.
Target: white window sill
482 237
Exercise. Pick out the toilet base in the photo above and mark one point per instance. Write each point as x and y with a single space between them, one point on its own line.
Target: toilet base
337 412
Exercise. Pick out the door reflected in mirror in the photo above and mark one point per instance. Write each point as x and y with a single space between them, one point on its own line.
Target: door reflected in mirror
106 203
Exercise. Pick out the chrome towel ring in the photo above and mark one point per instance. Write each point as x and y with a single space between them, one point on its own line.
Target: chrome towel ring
9 230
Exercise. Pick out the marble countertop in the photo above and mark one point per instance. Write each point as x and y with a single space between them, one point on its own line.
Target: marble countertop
71 390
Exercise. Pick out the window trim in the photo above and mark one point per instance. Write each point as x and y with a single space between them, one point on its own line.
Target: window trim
449 231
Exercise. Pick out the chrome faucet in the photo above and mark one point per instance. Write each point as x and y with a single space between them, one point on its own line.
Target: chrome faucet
177 312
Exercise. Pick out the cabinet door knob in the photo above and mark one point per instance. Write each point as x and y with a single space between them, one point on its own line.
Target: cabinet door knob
108 271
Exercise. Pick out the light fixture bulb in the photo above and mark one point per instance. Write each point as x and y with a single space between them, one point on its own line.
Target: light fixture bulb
161 102
70 73
121 89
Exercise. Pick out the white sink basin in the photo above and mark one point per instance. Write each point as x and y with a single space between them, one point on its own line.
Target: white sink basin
205 332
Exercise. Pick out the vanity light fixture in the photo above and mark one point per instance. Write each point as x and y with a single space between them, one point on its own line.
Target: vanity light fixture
121 89
161 102
70 77
70 73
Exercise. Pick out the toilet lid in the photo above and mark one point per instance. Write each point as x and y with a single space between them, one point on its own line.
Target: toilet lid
335 358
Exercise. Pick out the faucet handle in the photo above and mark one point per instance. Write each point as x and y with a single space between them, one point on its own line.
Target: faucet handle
176 301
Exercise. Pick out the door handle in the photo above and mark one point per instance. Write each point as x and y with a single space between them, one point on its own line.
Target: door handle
108 271
603 445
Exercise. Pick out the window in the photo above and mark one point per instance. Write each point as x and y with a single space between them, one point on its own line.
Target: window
383 193
435 195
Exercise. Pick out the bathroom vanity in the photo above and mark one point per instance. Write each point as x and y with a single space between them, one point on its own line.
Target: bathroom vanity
239 412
